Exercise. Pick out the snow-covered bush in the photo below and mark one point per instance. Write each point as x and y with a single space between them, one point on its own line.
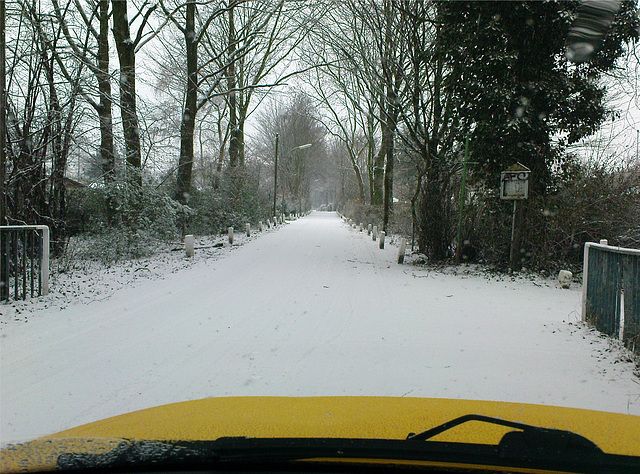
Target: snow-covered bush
235 201
101 217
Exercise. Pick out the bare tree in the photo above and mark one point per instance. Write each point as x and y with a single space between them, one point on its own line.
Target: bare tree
41 109
126 47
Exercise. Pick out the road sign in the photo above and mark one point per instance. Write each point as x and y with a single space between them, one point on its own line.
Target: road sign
514 182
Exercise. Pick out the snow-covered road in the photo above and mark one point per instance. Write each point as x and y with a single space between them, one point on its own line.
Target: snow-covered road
312 309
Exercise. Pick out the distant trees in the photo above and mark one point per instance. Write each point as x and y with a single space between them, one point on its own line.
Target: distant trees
302 149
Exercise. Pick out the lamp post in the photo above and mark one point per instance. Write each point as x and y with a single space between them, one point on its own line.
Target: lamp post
275 171
275 179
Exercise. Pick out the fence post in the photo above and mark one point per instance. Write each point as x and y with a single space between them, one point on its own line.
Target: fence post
189 242
401 249
230 232
248 227
585 277
382 235
44 269
374 233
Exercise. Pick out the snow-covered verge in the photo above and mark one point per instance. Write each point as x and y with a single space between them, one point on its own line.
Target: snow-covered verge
78 279
312 309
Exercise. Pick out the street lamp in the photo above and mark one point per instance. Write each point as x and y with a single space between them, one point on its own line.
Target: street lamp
275 172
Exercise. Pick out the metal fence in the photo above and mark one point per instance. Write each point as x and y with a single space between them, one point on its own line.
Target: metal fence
611 292
24 261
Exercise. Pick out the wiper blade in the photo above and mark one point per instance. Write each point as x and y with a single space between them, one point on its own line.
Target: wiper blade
542 438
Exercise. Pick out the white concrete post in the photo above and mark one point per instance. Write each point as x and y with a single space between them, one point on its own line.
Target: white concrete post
189 242
374 233
369 229
261 225
604 242
564 279
382 235
401 249
248 228
230 232
275 221
361 227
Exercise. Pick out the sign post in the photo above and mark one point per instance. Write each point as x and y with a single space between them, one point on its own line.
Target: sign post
514 186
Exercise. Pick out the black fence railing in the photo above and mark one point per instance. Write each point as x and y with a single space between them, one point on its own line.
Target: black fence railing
24 261
611 292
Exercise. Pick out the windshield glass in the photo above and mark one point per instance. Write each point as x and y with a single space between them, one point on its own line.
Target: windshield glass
390 198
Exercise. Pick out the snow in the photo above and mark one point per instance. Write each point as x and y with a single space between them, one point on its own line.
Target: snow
312 308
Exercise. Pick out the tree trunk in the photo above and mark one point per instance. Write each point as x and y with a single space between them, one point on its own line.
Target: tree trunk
234 136
107 154
185 164
127 59
378 165
388 180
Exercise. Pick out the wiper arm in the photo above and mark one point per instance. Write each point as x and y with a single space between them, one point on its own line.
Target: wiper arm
530 437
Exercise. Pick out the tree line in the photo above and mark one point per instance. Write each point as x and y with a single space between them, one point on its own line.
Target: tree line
387 92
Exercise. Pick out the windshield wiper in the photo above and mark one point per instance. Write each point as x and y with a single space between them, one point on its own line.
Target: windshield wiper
530 437
531 447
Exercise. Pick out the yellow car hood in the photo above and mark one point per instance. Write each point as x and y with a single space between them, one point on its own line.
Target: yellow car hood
319 417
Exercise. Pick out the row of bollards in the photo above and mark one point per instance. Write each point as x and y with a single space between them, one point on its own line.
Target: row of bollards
189 240
372 230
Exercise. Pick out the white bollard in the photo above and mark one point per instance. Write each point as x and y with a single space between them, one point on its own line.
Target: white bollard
369 229
230 232
564 279
261 225
361 227
248 228
382 234
189 242
374 233
401 249
275 221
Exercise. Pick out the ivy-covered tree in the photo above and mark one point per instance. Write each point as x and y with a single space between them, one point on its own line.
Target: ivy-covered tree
519 97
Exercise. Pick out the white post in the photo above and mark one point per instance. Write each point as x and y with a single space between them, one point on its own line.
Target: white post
564 279
275 221
604 242
401 249
361 227
382 234
369 229
248 228
44 268
230 232
261 225
189 242
374 233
